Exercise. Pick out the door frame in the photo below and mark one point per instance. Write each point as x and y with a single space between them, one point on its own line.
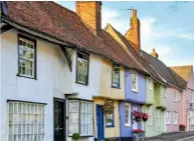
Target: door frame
98 105
64 116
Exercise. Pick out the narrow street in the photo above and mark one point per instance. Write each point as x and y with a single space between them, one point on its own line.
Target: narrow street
183 136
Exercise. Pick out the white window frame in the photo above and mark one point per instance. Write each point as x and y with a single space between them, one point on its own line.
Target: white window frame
30 117
175 118
134 73
129 114
192 97
87 119
168 117
165 91
150 115
25 58
81 70
150 84
176 96
158 114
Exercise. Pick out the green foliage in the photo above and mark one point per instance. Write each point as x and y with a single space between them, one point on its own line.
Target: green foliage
75 136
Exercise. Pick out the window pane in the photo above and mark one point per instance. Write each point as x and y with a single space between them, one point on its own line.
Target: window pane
82 67
26 57
116 75
20 123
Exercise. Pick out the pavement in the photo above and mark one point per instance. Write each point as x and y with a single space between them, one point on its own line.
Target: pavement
177 136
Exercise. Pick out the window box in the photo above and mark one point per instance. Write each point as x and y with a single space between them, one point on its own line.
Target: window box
181 127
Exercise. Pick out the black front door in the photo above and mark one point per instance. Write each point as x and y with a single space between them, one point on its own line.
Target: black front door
59 119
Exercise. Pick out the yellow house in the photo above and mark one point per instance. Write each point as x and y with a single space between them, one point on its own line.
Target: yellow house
106 104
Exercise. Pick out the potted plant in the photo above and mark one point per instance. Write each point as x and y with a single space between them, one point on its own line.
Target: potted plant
182 127
75 136
145 117
137 115
138 135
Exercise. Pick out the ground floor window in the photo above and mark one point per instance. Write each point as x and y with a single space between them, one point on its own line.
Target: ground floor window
127 114
26 121
150 114
109 118
175 118
80 117
168 117
158 116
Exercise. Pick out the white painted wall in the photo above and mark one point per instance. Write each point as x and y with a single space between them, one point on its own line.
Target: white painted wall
92 89
53 79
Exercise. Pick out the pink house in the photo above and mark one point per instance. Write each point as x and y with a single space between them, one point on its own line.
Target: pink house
187 97
173 113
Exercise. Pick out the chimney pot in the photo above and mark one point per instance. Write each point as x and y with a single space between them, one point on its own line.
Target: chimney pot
134 13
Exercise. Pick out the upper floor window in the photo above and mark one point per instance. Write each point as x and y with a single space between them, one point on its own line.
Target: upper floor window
26 60
150 84
177 96
116 75
165 91
82 68
135 81
192 98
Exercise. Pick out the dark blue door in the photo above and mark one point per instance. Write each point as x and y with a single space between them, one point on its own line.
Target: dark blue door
100 121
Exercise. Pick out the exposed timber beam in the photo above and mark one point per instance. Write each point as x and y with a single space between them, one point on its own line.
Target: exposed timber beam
68 57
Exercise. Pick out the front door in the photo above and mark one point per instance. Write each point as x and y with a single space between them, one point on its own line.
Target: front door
100 122
59 119
165 120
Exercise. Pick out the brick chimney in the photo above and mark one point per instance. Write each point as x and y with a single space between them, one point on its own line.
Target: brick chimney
133 34
154 53
90 13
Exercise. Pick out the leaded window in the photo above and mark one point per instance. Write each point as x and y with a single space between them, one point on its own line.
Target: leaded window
27 62
26 121
116 75
80 117
82 67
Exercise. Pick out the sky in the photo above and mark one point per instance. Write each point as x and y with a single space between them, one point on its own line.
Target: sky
166 26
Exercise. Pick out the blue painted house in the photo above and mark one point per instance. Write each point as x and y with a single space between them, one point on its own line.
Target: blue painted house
135 96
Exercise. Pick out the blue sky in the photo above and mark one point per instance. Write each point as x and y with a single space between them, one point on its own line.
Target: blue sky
166 26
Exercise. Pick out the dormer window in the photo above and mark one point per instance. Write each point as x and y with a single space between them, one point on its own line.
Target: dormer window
82 68
134 81
116 75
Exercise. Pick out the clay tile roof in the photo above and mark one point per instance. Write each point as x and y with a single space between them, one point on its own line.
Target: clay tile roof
182 72
164 71
60 23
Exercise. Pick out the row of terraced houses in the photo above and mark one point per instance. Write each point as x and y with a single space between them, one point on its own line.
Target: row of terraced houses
61 74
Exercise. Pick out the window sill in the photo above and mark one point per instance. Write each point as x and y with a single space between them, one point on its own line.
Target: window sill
127 125
136 91
110 126
115 87
81 83
82 136
26 76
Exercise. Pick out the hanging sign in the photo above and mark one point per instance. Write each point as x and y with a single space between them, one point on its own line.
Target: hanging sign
108 104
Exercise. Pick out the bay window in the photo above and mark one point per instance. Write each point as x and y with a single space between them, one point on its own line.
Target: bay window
116 75
80 117
26 121
26 57
82 68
